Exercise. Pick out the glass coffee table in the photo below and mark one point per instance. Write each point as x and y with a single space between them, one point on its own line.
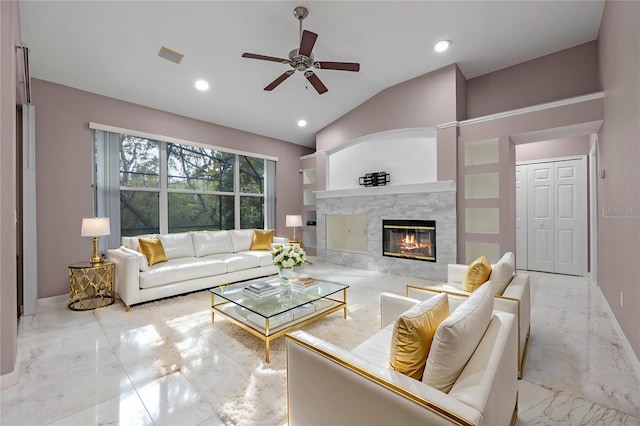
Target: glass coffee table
287 308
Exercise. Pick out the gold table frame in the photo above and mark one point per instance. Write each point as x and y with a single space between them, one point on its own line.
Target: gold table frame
266 335
90 285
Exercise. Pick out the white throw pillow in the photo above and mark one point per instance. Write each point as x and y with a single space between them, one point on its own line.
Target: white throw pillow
177 245
143 265
457 337
206 243
502 273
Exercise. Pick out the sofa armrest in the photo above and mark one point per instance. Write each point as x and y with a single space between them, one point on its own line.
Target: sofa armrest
518 292
392 306
327 385
127 275
280 240
456 273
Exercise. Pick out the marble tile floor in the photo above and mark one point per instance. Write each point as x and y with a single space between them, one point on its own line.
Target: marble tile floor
74 372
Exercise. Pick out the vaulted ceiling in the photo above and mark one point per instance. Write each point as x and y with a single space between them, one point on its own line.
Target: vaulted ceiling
111 48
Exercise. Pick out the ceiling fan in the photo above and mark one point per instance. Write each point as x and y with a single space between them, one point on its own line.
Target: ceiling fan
301 59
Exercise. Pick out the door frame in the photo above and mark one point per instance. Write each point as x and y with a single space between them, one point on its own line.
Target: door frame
585 252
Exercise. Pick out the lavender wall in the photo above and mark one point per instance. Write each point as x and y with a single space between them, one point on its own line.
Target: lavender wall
561 75
619 156
556 148
424 101
63 167
9 37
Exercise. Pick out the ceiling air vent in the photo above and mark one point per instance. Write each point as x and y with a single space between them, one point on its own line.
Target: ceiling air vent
170 55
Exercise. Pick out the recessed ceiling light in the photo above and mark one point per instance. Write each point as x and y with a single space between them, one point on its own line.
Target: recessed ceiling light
302 123
442 45
202 85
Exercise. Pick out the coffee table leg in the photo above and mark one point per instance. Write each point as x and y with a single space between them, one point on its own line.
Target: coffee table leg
344 296
213 297
266 350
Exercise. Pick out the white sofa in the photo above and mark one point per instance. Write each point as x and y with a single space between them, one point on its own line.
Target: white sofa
327 385
515 299
196 261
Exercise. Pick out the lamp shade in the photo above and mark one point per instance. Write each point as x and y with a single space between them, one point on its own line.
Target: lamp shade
95 227
294 220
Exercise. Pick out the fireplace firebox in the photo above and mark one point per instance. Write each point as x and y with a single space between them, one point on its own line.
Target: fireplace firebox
410 239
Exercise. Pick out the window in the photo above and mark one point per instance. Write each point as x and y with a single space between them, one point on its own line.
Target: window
173 187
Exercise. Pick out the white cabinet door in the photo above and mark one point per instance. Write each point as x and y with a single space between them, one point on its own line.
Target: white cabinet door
521 217
556 206
540 205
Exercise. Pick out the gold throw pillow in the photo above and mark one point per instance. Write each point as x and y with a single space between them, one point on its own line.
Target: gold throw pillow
262 239
413 333
152 248
477 274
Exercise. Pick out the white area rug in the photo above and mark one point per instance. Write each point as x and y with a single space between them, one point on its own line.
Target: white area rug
224 363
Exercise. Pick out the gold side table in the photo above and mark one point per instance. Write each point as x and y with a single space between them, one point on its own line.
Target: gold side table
90 285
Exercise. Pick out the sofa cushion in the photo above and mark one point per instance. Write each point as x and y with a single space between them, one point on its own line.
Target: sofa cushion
182 269
132 242
262 239
413 333
206 243
502 273
177 245
477 274
457 338
236 261
152 248
241 239
263 256
143 265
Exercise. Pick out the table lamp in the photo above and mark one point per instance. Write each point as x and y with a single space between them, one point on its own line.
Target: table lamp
95 227
294 220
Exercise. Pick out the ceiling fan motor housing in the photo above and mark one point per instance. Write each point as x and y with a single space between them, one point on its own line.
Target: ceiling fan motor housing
300 62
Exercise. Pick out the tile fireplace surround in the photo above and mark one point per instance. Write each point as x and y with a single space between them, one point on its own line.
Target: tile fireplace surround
429 201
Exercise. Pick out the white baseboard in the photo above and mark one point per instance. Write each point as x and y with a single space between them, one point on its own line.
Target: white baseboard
630 354
11 379
55 300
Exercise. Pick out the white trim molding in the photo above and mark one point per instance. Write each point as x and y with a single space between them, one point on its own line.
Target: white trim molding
534 108
447 125
314 154
628 350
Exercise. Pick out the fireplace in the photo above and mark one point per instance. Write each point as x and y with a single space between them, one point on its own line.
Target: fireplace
409 239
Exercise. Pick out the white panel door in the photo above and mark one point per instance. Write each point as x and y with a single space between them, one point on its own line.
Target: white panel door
521 217
556 204
570 217
540 205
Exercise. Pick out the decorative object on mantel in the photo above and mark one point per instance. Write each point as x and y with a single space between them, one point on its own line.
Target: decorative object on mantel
285 258
374 179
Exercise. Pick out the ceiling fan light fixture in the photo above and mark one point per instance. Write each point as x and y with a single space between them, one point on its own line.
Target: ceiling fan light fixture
302 123
202 85
441 46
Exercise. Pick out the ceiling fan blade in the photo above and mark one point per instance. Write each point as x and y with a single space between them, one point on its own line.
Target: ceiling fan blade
265 58
275 83
340 66
315 82
307 42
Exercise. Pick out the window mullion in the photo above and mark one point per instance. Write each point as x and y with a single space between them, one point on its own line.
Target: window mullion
236 193
163 208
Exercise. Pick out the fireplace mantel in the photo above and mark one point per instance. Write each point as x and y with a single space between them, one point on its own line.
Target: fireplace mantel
415 188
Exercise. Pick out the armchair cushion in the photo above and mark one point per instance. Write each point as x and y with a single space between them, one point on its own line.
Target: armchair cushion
477 274
413 333
502 273
457 337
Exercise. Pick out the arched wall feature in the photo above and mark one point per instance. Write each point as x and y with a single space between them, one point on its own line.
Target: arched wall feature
409 156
